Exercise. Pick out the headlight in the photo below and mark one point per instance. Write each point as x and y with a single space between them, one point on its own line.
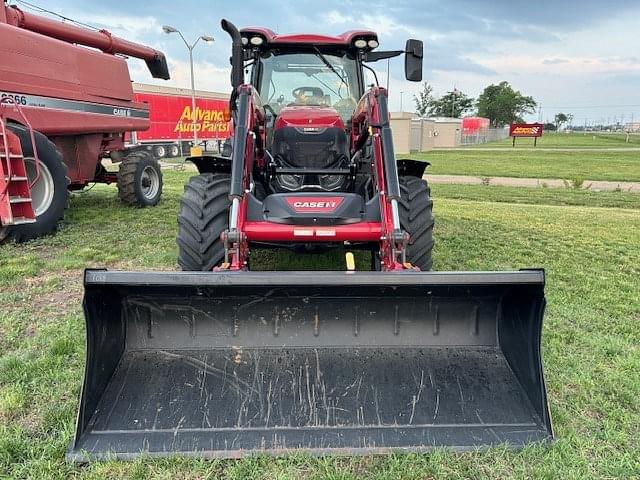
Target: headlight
373 43
245 41
360 43
290 182
257 41
331 182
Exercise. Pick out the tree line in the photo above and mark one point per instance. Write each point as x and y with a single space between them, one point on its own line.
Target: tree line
500 103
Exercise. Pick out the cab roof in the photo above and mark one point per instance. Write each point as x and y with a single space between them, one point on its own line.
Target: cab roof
344 39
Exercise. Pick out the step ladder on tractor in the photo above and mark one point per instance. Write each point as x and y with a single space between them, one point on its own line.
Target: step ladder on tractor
16 203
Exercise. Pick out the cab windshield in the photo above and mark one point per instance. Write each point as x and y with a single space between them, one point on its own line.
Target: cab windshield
310 78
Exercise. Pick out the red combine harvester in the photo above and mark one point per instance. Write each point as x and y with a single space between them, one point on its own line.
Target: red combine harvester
63 108
222 361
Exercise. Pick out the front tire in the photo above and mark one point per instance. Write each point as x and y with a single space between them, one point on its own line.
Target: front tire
204 215
140 180
49 195
416 218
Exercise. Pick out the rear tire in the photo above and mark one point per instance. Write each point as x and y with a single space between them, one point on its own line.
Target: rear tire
49 195
204 215
416 218
174 151
140 180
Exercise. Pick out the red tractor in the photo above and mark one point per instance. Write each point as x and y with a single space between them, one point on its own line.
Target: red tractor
313 164
64 107
223 361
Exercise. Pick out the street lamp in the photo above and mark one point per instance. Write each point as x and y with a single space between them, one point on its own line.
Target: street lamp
206 38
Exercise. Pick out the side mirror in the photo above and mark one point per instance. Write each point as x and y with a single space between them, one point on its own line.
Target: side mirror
413 60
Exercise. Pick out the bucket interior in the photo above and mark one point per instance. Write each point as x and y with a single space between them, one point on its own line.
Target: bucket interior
227 370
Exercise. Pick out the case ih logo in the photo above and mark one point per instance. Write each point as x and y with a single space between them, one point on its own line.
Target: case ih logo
314 204
526 130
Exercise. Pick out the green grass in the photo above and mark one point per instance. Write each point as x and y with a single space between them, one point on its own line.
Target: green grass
572 140
590 341
536 196
600 165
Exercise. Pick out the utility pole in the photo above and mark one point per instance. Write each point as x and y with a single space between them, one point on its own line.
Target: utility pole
194 118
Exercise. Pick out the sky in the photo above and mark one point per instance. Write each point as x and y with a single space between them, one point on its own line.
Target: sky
577 57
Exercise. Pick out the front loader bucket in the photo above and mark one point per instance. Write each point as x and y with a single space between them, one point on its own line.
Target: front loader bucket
229 364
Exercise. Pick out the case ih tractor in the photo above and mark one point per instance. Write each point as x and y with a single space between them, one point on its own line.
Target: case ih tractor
223 361
64 107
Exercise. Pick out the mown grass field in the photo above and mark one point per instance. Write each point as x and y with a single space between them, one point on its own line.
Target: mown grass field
573 140
588 243
569 165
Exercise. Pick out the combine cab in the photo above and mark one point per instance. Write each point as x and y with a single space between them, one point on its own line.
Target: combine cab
221 361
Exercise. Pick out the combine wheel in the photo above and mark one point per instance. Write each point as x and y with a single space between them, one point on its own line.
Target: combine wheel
416 218
140 180
204 215
49 194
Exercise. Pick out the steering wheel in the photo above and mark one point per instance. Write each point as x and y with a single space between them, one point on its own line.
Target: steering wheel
308 95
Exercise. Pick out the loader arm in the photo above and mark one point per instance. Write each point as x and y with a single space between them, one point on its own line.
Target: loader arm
372 115
248 147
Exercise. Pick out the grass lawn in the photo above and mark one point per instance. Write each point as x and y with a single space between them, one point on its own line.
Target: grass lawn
591 339
535 196
573 140
601 165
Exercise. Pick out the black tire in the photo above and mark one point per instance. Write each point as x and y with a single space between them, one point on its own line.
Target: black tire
204 215
174 150
50 197
140 180
159 151
416 218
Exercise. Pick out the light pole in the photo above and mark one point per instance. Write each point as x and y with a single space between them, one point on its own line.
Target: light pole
209 39
401 110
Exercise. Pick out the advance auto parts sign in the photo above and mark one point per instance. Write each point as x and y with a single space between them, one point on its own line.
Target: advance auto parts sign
526 130
208 120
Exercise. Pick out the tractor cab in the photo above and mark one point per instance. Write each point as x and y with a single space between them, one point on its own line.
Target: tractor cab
310 86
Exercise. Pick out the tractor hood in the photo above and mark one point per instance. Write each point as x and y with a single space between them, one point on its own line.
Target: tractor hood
309 118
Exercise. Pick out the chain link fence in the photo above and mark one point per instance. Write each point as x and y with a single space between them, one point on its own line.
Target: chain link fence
483 135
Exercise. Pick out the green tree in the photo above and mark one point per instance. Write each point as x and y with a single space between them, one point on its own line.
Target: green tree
560 119
424 100
452 104
503 105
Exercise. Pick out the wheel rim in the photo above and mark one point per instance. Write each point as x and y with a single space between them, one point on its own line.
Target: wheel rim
160 151
175 150
149 182
43 190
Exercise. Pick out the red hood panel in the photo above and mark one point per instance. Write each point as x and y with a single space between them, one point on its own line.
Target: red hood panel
301 116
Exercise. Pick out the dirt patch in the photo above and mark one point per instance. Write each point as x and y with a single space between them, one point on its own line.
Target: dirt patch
48 296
